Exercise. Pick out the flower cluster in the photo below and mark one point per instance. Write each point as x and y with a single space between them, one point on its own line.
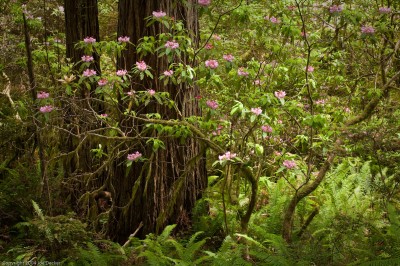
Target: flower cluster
204 2
228 57
121 72
242 72
211 64
141 65
310 69
87 58
280 94
208 46
172 45
257 82
218 131
102 82
266 128
151 92
123 39
212 104
367 30
385 10
256 111
216 37
46 109
227 156
168 73
335 9
159 14
134 156
89 40
43 95
89 72
289 164
274 20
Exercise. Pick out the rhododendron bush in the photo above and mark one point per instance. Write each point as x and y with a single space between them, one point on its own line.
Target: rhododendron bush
297 121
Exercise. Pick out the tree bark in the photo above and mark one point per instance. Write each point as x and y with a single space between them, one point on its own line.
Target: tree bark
164 189
81 21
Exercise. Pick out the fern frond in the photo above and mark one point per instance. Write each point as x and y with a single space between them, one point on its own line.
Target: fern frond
38 211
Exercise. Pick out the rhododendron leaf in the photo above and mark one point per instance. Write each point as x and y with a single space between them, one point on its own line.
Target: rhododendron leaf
148 73
259 149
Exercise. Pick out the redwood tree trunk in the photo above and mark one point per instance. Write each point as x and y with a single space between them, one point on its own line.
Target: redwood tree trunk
174 178
81 20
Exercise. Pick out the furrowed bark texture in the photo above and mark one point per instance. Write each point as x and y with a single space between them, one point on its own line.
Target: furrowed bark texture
81 109
168 185
81 21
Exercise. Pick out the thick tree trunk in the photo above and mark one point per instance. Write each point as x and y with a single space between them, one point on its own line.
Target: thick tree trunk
81 21
173 179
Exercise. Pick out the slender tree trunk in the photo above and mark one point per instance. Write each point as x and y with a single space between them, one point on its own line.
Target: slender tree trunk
164 189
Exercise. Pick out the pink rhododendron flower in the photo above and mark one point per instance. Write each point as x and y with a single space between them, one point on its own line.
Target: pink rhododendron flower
204 2
274 20
89 72
104 115
121 72
385 10
208 46
87 58
43 95
151 92
46 109
266 128
198 97
367 30
218 131
141 65
216 37
228 57
168 73
241 72
256 111
320 101
227 156
130 93
257 82
335 9
310 69
289 164
159 14
102 82
280 94
212 104
211 64
134 156
89 40
123 39
171 44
